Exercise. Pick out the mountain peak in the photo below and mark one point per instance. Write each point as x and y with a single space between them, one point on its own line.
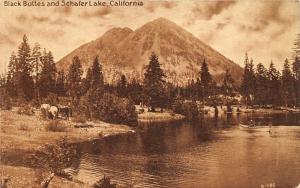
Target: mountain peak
162 22
123 51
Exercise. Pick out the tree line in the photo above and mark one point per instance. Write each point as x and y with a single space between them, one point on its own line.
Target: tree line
269 86
32 76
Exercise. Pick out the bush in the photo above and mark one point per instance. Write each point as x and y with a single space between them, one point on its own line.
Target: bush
104 183
56 157
112 109
177 106
117 110
5 101
188 109
26 110
56 126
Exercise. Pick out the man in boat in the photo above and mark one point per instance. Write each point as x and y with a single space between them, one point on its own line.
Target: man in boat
251 124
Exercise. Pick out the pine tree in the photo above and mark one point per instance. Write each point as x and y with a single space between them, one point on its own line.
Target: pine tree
11 84
154 83
86 82
97 80
48 75
296 74
228 84
260 94
60 87
74 79
205 80
122 87
24 70
248 83
135 91
288 85
94 85
274 86
297 46
37 68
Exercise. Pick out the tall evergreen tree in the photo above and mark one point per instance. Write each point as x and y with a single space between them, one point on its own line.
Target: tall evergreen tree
60 86
97 79
261 91
205 81
228 84
74 79
86 82
48 75
24 69
288 85
297 46
122 87
135 91
11 84
274 92
36 68
296 74
248 83
94 84
154 83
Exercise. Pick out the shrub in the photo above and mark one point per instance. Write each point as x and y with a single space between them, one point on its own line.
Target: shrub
5 101
26 110
112 109
177 106
55 157
104 183
56 126
186 108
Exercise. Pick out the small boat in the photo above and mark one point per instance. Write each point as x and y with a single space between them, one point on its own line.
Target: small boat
248 126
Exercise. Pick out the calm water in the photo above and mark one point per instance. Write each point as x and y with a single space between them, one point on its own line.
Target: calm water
181 155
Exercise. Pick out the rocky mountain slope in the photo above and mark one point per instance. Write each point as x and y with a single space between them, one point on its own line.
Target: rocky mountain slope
124 51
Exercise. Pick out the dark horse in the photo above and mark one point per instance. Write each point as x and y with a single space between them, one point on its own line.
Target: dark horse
66 111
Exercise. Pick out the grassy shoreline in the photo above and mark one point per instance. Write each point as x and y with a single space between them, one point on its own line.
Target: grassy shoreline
23 135
159 116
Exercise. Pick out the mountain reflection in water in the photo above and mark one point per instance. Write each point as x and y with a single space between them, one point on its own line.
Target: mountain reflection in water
175 154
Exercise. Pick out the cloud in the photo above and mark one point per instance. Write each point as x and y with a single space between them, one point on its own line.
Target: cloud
152 6
22 18
169 4
40 18
67 10
6 40
206 10
266 29
61 21
99 12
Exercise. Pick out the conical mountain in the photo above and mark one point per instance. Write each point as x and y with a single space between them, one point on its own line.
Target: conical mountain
122 50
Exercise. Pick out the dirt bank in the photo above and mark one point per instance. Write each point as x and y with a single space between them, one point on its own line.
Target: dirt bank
23 135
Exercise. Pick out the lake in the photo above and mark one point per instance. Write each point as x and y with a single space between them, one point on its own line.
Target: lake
212 153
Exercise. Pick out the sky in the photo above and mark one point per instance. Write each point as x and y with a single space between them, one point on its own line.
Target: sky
265 29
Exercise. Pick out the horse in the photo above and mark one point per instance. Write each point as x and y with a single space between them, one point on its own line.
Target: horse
45 109
65 110
53 112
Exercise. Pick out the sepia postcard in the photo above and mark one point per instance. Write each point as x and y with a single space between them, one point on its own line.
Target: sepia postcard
149 94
